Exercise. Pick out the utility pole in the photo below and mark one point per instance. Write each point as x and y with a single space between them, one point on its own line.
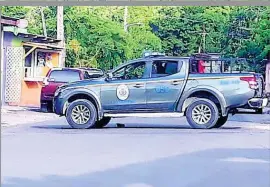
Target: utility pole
204 33
60 32
204 38
126 25
125 19
43 21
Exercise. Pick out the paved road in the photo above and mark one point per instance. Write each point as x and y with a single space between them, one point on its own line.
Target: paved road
167 154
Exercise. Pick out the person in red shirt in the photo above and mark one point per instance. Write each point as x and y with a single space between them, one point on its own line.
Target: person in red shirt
201 67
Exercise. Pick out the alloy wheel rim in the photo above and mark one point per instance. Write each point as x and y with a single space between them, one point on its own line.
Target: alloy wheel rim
201 114
80 114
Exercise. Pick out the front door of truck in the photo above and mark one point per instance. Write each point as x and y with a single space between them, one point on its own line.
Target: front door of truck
126 91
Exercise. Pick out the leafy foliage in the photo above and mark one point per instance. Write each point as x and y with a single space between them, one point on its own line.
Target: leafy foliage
95 35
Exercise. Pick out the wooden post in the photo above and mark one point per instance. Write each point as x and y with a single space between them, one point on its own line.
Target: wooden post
60 33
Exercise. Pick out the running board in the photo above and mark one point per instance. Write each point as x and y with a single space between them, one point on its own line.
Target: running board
146 115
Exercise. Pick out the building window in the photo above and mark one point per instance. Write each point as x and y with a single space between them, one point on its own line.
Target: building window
37 63
28 64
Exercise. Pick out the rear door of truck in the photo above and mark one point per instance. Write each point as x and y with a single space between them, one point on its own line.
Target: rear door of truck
166 83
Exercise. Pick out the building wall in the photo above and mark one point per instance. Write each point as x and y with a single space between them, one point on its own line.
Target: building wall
31 89
9 40
267 77
2 69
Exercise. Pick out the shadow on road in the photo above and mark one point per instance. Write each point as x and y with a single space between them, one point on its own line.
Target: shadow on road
128 126
208 168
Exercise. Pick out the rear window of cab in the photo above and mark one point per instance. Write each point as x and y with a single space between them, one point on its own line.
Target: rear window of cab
65 75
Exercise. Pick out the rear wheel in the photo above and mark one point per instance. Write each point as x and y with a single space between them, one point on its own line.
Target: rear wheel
103 122
81 114
221 121
202 114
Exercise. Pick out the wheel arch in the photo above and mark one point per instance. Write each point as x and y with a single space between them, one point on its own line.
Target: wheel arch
84 94
213 94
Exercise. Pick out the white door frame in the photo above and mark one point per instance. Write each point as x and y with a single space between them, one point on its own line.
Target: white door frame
2 67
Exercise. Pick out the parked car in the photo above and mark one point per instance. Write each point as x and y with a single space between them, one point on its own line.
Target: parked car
158 86
59 76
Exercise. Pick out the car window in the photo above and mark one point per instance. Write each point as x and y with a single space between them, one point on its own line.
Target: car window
164 68
64 76
119 73
86 75
92 74
131 71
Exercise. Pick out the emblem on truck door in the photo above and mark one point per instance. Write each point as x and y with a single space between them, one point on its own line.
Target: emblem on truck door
122 92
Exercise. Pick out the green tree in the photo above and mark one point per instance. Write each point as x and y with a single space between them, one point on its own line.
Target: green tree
101 40
99 32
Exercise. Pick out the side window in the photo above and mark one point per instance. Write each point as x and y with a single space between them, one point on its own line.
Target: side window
119 74
64 76
86 75
131 71
164 68
135 71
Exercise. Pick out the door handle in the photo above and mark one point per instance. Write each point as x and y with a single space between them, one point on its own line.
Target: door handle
176 82
138 85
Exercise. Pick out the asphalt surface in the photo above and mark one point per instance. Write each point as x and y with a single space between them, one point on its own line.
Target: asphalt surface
146 153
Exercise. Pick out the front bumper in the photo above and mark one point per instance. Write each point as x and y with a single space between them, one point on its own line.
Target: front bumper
258 103
58 104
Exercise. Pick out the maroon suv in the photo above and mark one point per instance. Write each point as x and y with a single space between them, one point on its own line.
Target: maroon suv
59 76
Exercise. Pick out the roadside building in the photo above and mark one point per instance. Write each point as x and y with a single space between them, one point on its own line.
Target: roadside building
267 76
26 59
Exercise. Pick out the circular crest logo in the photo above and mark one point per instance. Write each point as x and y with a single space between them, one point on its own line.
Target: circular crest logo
122 92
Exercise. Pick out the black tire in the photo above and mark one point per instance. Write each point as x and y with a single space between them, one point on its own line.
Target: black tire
211 109
90 123
50 107
44 107
259 111
103 122
221 121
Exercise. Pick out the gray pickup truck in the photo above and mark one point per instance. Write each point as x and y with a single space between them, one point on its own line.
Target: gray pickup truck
160 86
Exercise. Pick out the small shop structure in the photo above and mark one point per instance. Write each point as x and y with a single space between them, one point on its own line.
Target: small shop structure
267 76
26 58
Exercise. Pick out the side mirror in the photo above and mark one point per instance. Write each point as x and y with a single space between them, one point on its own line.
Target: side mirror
109 76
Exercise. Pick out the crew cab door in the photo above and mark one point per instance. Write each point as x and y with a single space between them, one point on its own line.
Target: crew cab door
164 87
126 91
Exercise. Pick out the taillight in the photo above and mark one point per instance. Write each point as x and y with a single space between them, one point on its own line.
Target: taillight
251 81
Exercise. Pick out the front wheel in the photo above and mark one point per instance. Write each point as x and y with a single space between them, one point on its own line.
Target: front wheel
81 114
202 114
